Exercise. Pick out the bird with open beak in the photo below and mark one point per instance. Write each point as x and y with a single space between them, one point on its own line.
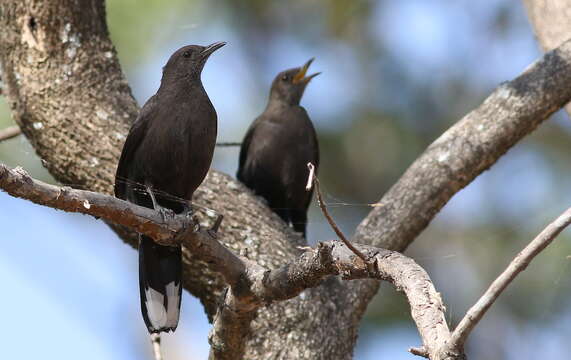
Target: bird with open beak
277 147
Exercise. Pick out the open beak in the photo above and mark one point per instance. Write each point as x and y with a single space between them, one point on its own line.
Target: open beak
300 76
212 48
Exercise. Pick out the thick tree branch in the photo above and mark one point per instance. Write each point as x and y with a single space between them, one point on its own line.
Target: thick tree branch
462 153
251 285
18 183
467 149
174 230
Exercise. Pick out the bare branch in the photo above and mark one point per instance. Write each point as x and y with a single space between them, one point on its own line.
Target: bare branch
251 285
518 264
178 228
310 269
9 132
315 180
471 146
18 183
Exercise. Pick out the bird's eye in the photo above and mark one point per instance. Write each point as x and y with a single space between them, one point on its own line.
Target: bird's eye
186 54
285 77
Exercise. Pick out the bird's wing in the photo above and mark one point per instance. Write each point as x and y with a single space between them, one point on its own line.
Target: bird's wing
245 146
136 135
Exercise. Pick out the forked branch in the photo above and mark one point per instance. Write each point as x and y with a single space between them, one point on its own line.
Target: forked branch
251 286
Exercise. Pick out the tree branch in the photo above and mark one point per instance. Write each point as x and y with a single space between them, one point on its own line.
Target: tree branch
251 285
9 132
463 152
467 149
518 264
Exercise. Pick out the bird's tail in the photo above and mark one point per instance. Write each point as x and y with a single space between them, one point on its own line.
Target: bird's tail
160 271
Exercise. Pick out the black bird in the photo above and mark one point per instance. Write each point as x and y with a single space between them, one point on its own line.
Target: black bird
165 158
277 148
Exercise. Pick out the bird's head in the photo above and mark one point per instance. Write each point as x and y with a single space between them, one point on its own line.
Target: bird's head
289 85
188 61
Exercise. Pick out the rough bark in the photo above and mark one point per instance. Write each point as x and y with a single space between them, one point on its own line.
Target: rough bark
467 149
59 50
66 91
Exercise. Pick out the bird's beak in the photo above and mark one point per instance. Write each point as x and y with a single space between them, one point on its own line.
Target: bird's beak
212 48
300 76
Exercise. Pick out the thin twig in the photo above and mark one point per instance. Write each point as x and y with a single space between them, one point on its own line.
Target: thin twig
330 220
9 132
228 144
156 341
518 264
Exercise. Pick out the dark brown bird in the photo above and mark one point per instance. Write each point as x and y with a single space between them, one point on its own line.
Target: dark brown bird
277 148
165 158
